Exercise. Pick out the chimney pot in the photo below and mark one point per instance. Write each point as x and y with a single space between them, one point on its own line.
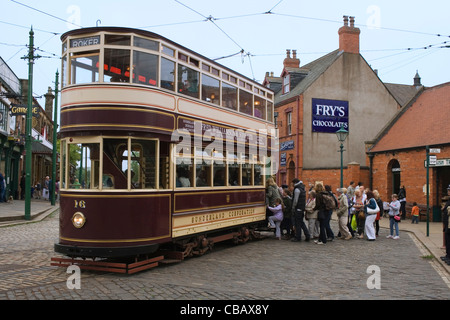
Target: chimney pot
352 22
288 53
345 20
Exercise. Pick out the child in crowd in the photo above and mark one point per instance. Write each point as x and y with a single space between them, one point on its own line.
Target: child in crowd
415 213
275 220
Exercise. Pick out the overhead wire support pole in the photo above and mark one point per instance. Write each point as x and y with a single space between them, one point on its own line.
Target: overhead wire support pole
28 128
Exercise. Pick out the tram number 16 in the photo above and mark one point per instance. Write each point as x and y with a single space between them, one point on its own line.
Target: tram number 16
80 204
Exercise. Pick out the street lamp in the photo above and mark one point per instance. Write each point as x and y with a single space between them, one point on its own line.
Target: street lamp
342 135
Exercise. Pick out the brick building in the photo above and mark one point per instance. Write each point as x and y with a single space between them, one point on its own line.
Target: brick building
398 153
313 101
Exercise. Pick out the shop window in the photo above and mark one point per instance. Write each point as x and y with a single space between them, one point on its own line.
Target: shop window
145 68
210 89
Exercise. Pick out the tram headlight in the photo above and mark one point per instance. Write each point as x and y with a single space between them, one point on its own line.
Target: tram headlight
78 220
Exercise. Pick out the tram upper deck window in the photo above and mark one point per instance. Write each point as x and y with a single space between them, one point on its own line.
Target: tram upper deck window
145 68
117 65
84 67
168 51
245 102
210 89
117 39
188 81
167 74
146 43
260 108
229 96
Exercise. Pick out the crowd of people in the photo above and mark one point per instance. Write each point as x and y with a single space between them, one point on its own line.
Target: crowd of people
297 214
38 190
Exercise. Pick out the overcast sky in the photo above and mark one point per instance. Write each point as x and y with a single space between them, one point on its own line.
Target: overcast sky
394 34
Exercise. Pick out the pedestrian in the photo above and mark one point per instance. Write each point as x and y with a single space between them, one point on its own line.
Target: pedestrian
402 199
342 214
380 204
358 212
272 193
311 215
415 213
277 217
370 209
286 224
394 217
351 189
2 188
445 222
46 187
330 234
298 210
37 190
321 213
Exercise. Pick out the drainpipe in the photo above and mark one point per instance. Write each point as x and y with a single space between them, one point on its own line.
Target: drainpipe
371 155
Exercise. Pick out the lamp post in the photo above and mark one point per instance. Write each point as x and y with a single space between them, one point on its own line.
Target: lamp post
342 135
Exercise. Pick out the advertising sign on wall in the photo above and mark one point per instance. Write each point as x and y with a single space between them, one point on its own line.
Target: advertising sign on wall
329 115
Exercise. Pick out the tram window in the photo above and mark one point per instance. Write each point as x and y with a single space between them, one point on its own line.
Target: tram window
168 51
210 89
258 175
145 68
115 162
269 111
219 173
62 168
246 174
234 174
143 164
64 71
260 108
167 74
203 173
84 69
146 43
117 65
184 173
245 102
84 166
229 96
117 39
164 165
188 81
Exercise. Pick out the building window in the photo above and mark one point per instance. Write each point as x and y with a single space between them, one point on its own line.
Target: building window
289 123
286 83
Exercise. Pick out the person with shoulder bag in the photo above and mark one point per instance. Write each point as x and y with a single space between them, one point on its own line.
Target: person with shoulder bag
371 209
394 217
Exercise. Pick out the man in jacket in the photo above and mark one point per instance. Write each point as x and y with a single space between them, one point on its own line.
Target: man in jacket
298 211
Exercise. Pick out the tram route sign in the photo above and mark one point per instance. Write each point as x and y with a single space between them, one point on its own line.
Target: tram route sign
83 42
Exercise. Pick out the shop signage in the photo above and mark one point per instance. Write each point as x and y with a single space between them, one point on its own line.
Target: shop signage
83 42
283 159
19 109
287 145
329 115
437 162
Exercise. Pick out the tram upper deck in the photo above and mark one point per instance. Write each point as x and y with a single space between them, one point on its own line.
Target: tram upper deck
109 68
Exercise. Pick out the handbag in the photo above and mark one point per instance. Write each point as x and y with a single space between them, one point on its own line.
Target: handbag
373 211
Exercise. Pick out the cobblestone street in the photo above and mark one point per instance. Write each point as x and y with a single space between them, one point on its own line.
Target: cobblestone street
259 270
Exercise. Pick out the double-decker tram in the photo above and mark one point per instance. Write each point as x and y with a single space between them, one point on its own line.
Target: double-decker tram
163 151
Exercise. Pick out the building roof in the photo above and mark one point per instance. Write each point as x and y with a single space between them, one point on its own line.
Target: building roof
402 93
424 121
302 78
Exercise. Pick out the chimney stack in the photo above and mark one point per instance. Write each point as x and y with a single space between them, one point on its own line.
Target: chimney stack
349 36
293 62
417 80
